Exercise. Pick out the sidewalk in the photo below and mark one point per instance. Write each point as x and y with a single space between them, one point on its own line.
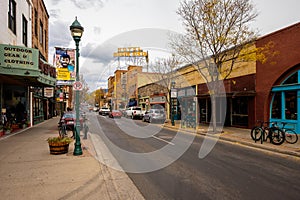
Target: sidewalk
242 136
29 171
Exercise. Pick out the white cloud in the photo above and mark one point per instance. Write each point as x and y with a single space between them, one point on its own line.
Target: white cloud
109 24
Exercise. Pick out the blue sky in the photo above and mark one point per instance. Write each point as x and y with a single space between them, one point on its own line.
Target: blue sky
110 24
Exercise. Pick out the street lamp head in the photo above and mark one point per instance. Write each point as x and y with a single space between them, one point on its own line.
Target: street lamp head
76 30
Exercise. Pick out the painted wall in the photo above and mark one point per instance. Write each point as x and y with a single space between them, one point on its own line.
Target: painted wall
6 35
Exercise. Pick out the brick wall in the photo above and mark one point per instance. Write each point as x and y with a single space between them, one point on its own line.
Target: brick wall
276 69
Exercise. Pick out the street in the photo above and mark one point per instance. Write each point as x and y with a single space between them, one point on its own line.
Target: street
230 171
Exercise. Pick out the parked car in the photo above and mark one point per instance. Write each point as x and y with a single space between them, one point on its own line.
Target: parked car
155 115
69 118
134 112
104 111
96 109
115 114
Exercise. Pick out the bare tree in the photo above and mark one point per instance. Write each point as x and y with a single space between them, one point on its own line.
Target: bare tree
216 32
164 73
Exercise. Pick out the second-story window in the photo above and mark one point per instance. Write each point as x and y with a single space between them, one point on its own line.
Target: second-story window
25 31
35 23
12 16
45 38
41 37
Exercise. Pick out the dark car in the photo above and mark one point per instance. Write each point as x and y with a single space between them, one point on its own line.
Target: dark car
69 118
155 115
115 114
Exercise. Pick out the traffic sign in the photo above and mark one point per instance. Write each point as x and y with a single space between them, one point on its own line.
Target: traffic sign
77 85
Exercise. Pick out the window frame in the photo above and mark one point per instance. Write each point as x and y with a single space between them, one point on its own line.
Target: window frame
24 30
41 33
12 16
35 23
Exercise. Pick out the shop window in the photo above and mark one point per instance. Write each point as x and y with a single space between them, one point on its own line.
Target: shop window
240 111
203 110
291 105
293 79
276 107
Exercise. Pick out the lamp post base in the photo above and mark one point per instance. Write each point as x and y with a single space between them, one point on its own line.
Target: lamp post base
77 150
77 145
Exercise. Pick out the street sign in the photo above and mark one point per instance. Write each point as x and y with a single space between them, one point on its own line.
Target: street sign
173 93
77 85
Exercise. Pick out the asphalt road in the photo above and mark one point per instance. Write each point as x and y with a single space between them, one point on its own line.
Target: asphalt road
230 171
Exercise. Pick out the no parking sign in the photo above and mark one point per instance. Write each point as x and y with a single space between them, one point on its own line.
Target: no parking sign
77 85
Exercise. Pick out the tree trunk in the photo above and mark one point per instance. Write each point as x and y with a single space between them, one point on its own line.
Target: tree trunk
213 112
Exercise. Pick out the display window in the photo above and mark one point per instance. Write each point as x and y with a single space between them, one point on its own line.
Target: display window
285 102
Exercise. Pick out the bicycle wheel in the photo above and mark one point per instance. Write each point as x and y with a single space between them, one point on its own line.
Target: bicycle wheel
70 132
276 136
256 133
62 131
291 136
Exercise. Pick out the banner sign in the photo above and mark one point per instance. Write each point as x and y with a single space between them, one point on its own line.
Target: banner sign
64 61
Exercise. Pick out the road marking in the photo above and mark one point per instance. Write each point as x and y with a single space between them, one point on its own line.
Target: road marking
162 140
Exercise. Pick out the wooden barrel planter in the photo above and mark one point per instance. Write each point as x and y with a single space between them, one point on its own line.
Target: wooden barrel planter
58 148
59 145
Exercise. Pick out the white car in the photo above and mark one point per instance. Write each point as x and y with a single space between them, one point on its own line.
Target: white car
104 111
134 112
95 109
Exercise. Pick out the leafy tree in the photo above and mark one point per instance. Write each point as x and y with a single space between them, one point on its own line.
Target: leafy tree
99 97
217 32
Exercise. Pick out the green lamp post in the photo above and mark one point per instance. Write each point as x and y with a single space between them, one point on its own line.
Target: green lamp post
76 32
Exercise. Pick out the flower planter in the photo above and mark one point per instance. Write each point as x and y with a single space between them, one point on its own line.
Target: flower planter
58 145
15 126
58 148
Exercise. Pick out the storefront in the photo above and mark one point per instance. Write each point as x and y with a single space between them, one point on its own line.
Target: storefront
23 77
235 108
157 101
144 102
277 81
285 102
186 103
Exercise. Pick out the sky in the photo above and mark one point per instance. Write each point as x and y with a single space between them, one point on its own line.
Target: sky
112 24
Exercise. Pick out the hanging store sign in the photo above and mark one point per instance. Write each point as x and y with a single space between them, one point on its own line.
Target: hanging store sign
158 99
48 92
173 93
19 57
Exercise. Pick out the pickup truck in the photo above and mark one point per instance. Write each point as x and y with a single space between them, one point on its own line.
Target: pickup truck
134 113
